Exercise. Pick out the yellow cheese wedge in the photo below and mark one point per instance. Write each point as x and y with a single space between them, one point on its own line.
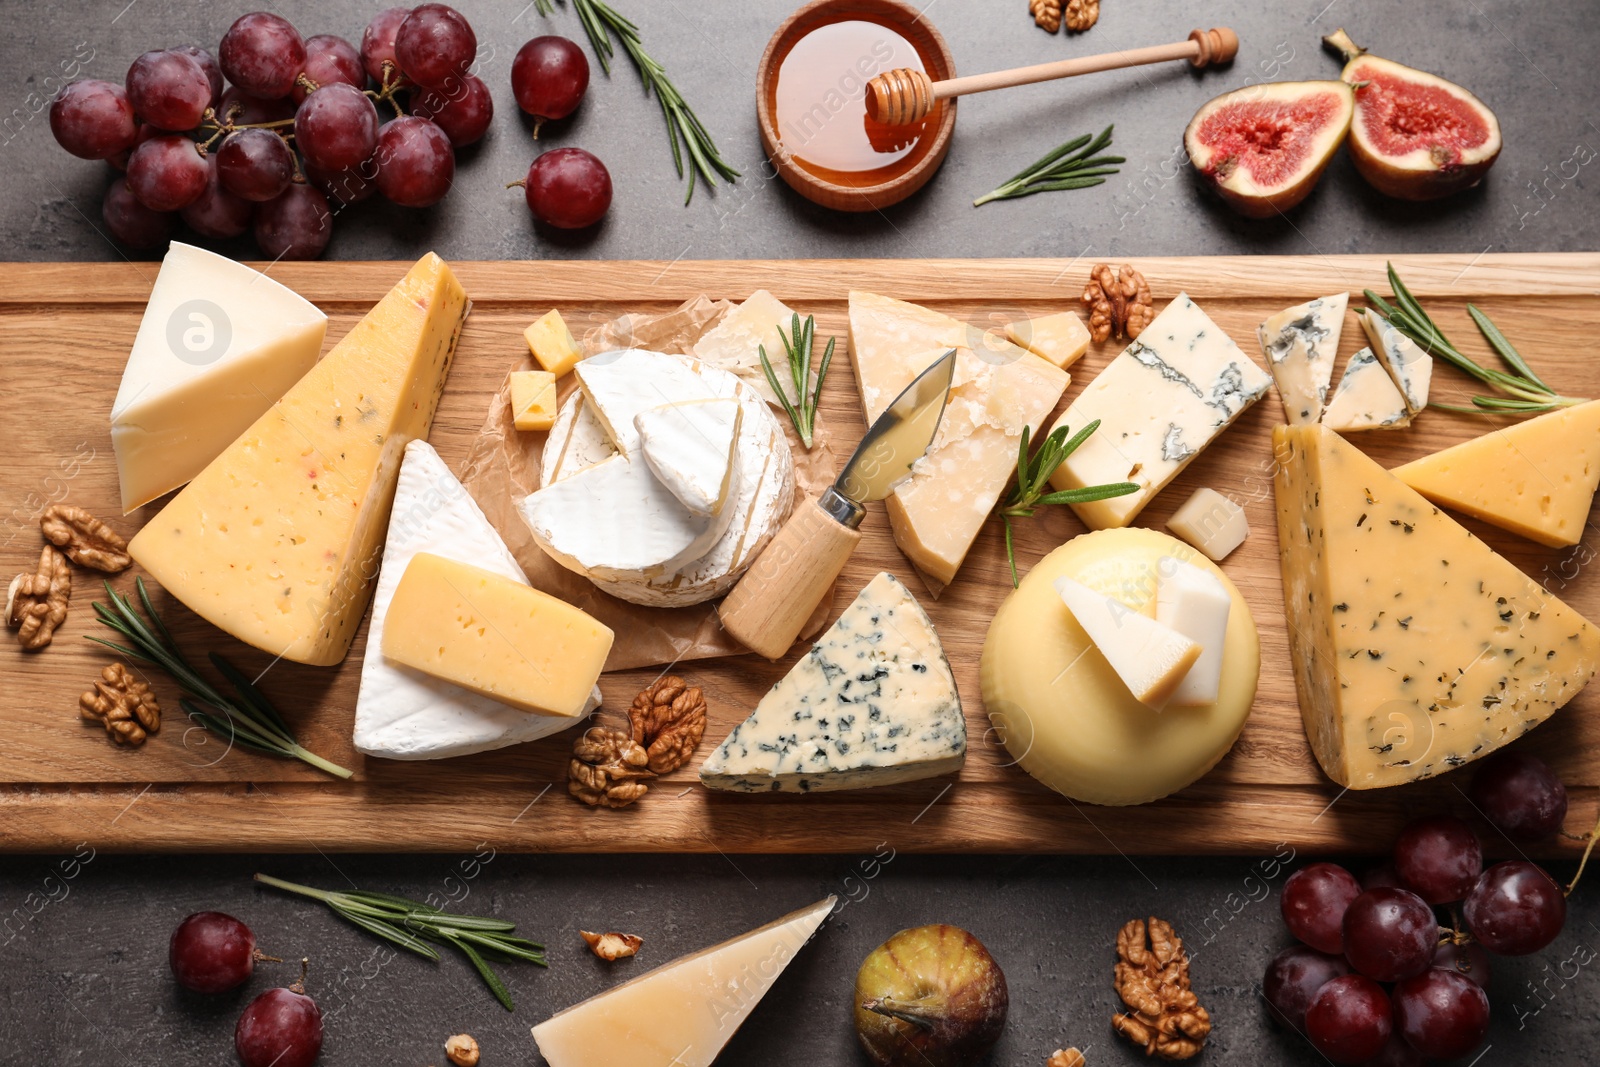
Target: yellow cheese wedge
1416 647
494 636
682 1013
533 399
998 389
1536 478
1061 338
277 540
552 344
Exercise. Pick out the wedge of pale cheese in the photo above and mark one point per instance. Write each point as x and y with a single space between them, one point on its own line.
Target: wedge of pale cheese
735 343
1150 657
692 448
1409 366
1367 398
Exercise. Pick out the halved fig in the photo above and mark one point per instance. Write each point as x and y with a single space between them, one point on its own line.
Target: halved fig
1264 147
1416 136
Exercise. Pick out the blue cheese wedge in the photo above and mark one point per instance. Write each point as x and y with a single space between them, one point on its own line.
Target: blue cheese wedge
1300 344
1409 366
403 713
1366 398
1165 398
872 703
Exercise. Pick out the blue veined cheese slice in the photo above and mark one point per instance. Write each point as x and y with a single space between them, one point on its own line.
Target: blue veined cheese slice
1300 344
872 703
1366 398
403 713
1160 402
1408 365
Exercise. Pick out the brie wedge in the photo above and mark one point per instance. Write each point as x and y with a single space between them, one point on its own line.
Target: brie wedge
691 448
619 385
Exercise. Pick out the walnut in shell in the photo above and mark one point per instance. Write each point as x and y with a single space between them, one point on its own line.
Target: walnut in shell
668 718
84 539
123 705
608 768
1152 978
36 604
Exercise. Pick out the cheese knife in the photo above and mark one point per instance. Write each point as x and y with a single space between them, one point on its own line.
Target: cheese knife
772 602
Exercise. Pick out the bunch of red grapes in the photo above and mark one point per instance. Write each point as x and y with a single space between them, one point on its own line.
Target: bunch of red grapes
266 132
1392 970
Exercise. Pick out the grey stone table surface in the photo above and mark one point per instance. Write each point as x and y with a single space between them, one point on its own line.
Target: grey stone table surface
83 976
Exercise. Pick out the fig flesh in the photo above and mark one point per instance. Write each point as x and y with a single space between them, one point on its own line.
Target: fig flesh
1415 136
931 996
1264 147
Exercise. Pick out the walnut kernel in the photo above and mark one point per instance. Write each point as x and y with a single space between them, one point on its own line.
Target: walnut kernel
123 705
1046 14
1070 1057
1081 14
1152 978
36 604
611 945
1119 302
462 1050
607 768
668 718
84 539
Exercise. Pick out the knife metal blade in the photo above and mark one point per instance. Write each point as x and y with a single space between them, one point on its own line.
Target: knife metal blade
893 443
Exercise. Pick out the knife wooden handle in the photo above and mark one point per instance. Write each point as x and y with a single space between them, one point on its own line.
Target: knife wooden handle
788 580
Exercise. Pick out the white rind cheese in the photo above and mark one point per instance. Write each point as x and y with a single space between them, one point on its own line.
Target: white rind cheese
873 703
405 714
1409 366
691 448
1366 398
1167 396
619 385
577 442
1300 344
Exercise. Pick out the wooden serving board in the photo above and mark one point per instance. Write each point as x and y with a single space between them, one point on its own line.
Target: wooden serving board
65 330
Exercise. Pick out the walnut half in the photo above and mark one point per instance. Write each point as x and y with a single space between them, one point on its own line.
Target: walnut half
1069 1057
668 718
1082 14
1152 978
1119 302
607 768
1046 14
123 705
36 604
611 945
84 539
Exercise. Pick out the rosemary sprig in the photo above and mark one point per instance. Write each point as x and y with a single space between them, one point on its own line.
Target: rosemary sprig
250 721
684 129
1033 476
1525 392
797 345
1072 166
417 927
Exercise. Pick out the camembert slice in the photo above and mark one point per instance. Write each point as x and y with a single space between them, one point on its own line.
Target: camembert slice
1300 344
1366 399
692 447
1416 647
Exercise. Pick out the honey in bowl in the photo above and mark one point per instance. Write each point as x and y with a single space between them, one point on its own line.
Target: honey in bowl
818 102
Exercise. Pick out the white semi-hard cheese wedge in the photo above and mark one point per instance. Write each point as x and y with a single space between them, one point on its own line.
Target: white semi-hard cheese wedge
1210 522
872 703
618 385
692 447
1408 365
1167 396
682 1013
1300 344
219 344
735 343
403 713
1195 604
1151 658
1366 398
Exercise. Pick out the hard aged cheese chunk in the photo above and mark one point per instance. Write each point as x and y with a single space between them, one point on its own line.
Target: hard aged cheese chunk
533 399
682 1013
496 636
1164 399
998 389
734 344
1409 366
1366 399
552 344
402 713
872 703
1063 713
277 540
1061 338
1300 344
691 447
1416 647
1150 657
218 344
1195 604
1210 522
1535 478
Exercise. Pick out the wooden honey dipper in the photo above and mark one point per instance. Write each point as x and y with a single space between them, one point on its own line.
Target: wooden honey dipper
902 96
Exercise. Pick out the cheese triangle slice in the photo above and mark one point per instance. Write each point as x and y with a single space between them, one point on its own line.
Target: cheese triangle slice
1367 398
277 540
1300 344
998 389
218 344
682 1013
402 713
1536 478
1416 647
690 447
1151 658
1409 366
873 703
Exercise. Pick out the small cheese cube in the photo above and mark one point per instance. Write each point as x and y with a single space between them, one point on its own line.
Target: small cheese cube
1210 522
1195 604
1061 338
533 399
487 633
1151 658
552 344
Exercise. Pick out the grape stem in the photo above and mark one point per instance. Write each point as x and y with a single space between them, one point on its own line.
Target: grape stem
1594 835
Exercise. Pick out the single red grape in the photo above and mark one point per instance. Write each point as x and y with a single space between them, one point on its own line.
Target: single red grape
245 110
280 1028
568 188
1515 909
211 952
337 127
330 60
255 164
415 162
1350 1019
1390 934
1520 794
209 64
217 213
377 42
435 45
1438 858
261 53
1293 979
345 187
93 120
463 112
143 133
297 225
167 172
549 77
133 224
169 89
1469 961
1441 1014
1313 903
